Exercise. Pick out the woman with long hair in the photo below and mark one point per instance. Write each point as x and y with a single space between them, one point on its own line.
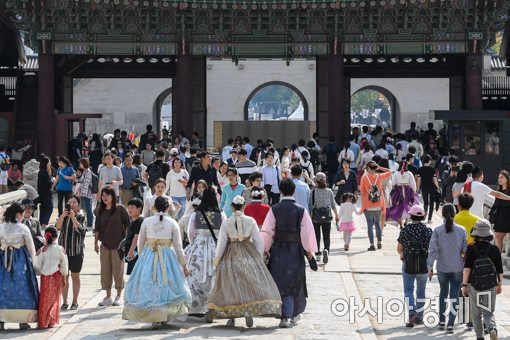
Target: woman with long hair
64 182
500 211
52 263
157 290
447 246
203 230
365 155
346 153
44 189
18 288
403 195
387 186
112 221
72 239
246 290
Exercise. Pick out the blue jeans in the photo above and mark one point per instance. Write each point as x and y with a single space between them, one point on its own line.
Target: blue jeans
449 284
416 303
182 202
86 204
373 219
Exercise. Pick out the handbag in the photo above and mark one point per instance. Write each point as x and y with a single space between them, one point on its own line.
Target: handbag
209 226
493 213
320 215
123 248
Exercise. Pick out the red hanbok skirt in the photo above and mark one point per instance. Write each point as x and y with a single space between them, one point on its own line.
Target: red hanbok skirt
49 302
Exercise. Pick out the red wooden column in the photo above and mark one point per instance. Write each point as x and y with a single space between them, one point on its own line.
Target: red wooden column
474 65
336 98
184 91
45 115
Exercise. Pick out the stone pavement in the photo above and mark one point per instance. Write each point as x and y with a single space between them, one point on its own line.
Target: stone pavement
358 274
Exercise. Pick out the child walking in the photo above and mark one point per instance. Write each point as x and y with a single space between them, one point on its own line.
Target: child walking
52 262
346 225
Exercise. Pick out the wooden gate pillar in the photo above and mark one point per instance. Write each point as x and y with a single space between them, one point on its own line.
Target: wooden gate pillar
474 66
45 116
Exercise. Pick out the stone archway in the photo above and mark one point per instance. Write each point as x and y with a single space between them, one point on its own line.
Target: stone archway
390 97
305 111
162 98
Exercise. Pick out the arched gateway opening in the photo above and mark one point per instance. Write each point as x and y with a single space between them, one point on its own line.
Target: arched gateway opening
162 111
372 106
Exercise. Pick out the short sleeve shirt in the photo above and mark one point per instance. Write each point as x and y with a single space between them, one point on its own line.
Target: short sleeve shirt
65 184
412 234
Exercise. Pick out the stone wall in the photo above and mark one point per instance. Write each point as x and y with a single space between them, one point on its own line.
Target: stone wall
125 103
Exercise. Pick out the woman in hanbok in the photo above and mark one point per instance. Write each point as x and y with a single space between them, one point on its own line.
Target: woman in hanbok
243 287
203 228
19 292
157 290
192 204
159 191
256 208
403 195
52 263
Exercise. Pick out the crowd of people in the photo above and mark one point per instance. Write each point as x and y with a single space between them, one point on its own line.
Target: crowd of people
185 222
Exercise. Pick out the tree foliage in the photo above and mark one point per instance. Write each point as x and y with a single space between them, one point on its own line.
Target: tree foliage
366 100
276 94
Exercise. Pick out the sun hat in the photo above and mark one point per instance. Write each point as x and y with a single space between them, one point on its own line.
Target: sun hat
417 210
482 228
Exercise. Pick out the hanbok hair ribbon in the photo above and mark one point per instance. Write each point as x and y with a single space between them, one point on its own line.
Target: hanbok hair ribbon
47 237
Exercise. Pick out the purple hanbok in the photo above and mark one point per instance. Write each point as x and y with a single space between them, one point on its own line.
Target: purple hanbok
403 198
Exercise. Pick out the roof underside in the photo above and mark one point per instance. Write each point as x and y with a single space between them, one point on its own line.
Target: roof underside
291 28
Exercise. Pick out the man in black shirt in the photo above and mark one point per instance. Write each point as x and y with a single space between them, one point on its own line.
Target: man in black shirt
204 171
148 137
134 208
157 169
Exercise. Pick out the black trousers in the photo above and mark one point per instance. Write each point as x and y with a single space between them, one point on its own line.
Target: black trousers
272 198
428 201
63 196
326 231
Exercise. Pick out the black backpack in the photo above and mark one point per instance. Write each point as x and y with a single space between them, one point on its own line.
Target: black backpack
94 183
416 261
483 274
155 172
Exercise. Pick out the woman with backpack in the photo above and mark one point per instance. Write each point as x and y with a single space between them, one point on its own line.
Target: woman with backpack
447 246
322 202
372 200
483 272
413 244
203 229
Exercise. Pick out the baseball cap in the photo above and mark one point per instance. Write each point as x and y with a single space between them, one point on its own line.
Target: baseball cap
174 151
417 210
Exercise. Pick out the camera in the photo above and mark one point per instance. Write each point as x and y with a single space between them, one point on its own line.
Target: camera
68 207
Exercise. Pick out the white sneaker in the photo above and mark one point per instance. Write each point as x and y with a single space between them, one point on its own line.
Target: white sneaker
285 323
295 319
106 302
117 301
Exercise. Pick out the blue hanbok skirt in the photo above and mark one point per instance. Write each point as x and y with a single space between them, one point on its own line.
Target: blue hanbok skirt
153 294
19 291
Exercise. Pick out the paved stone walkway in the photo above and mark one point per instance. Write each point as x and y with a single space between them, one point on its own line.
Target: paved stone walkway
358 274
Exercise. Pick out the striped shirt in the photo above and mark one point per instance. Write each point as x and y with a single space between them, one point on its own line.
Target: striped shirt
245 169
70 239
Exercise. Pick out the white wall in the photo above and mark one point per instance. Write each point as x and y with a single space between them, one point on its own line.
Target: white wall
228 86
415 97
124 103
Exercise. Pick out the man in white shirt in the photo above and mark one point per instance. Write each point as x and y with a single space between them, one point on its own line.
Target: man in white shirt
225 153
271 177
419 148
4 165
480 191
247 146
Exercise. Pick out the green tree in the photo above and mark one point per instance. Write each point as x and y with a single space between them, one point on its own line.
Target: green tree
364 99
276 94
